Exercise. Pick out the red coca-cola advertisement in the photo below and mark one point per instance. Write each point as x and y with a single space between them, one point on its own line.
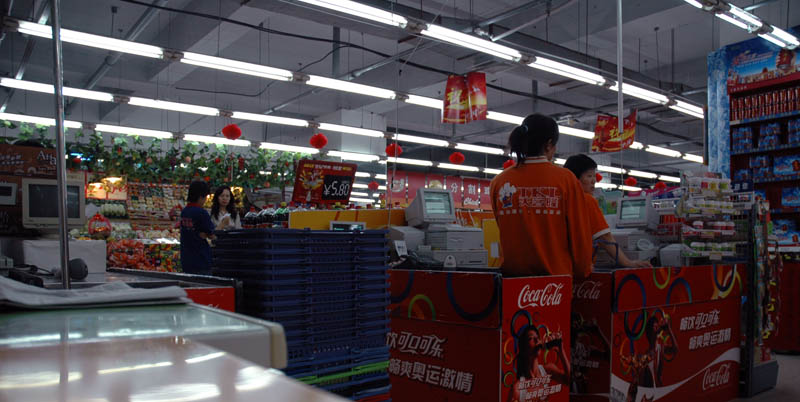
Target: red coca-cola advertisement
478 105
536 338
415 181
590 337
456 100
472 197
453 185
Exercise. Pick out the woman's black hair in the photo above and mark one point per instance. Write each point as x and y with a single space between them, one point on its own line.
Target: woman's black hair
525 351
579 164
197 190
531 137
231 208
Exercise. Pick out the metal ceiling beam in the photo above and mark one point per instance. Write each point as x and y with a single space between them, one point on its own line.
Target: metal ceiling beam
548 14
511 13
41 16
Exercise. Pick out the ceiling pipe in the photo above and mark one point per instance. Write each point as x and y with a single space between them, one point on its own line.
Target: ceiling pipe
112 57
510 13
41 16
549 13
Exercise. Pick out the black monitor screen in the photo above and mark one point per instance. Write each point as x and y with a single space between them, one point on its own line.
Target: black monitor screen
5 191
43 201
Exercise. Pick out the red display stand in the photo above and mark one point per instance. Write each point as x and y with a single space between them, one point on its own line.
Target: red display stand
667 334
475 336
787 337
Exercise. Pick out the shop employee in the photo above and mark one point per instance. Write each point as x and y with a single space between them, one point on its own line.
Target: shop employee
540 207
585 169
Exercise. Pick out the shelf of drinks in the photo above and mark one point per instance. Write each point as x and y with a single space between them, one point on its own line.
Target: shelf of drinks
765 149
764 118
777 179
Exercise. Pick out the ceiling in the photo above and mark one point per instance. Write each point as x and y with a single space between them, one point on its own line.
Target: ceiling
665 45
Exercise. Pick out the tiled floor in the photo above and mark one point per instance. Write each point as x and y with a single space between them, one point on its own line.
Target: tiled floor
788 388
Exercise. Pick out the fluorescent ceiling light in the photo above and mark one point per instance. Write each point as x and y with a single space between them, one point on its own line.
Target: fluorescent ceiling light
505 117
671 179
381 188
107 128
731 20
421 140
406 161
560 161
693 158
358 194
347 86
265 118
745 16
610 169
425 101
769 37
565 70
361 10
235 66
688 108
458 167
363 174
380 176
605 185
350 156
44 121
364 200
576 132
351 130
639 173
288 148
174 106
376 195
481 149
694 3
471 42
630 188
49 89
663 151
360 185
642 93
215 140
96 41
785 36
492 171
637 145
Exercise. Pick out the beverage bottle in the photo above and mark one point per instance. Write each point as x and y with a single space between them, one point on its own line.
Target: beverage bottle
249 218
268 215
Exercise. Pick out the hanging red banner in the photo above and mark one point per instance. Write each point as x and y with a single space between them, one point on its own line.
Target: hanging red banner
486 199
456 100
396 190
453 185
323 182
478 106
472 197
416 181
606 134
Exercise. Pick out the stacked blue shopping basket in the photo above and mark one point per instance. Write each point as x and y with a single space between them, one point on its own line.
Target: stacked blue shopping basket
329 290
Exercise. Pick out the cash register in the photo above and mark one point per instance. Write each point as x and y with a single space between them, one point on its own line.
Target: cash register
431 231
632 228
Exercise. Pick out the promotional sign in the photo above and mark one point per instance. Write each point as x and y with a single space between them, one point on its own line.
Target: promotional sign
416 181
591 346
397 186
607 137
486 198
453 185
27 161
465 98
478 106
472 196
323 182
435 361
536 338
755 66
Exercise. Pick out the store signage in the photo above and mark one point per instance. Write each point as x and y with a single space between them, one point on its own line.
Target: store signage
453 185
27 161
607 137
465 98
471 195
548 296
323 182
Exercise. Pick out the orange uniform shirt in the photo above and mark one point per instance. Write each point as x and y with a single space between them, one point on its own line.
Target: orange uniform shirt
597 222
543 220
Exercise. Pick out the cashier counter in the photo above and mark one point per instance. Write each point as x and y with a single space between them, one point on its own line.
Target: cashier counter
431 233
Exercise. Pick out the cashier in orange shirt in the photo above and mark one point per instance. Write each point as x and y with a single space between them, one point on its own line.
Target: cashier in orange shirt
540 207
585 169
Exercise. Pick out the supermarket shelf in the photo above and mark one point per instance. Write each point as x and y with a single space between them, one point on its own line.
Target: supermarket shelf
777 179
766 149
764 118
794 210
751 86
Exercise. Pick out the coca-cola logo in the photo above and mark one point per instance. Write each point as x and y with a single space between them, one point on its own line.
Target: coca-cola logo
550 295
715 378
589 290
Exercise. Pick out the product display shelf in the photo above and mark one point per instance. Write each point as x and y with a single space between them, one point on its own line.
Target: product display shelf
329 290
793 210
766 149
777 179
764 118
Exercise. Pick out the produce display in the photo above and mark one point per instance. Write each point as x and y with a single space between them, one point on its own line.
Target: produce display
145 255
154 201
113 211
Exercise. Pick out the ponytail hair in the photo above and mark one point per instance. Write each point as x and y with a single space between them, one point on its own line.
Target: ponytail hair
532 136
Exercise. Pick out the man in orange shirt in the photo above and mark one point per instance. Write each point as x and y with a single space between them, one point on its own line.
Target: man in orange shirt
585 169
540 207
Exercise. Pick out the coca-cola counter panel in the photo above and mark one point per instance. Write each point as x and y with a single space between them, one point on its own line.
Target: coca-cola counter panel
657 334
471 336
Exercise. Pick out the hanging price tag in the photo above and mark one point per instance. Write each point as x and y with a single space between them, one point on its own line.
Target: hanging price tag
323 182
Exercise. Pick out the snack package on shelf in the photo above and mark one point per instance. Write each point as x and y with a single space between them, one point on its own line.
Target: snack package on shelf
743 175
790 197
762 173
760 195
787 165
742 139
794 132
786 232
769 135
759 161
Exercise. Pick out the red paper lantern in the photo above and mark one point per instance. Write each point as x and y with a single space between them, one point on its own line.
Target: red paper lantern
457 158
373 185
394 150
231 131
507 164
660 185
631 181
598 177
318 140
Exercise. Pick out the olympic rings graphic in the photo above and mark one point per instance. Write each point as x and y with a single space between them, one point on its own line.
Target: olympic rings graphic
631 332
505 376
624 280
402 296
672 286
517 333
426 300
465 314
509 357
721 288
661 286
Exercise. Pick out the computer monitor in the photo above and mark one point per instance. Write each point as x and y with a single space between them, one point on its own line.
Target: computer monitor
431 206
40 203
636 212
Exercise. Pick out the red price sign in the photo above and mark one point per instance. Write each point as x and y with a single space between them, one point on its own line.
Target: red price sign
323 182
